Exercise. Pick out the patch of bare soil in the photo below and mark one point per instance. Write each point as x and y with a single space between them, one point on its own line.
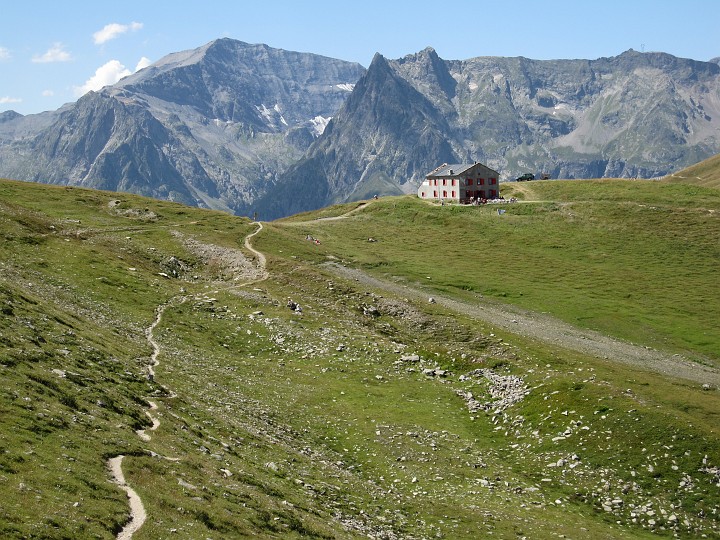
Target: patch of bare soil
549 330
228 263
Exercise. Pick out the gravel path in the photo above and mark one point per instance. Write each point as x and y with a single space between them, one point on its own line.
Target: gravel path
137 510
549 330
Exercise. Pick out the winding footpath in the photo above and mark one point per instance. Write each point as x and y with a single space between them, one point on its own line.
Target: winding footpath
260 257
138 515
137 509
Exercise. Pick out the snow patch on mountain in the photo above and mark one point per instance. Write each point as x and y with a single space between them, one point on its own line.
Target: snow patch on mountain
319 123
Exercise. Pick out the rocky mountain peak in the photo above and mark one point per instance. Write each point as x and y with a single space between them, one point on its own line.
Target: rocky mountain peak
7 116
246 127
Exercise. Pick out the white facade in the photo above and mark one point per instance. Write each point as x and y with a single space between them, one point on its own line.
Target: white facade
462 183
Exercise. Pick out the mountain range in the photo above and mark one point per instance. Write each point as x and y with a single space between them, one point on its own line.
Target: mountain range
251 129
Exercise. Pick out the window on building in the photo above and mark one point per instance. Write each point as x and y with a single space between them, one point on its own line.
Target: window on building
469 181
481 181
435 194
444 193
493 180
453 193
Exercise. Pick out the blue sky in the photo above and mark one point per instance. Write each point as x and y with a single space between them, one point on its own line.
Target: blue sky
51 52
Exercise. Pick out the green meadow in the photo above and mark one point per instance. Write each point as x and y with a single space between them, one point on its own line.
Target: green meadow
365 413
638 260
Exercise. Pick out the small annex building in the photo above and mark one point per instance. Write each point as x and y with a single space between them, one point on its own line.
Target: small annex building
463 183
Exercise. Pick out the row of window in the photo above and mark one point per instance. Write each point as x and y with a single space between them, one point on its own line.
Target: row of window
480 194
434 182
454 181
481 181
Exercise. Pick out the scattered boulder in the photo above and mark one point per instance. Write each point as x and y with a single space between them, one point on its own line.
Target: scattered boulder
174 267
370 310
294 306
505 391
436 372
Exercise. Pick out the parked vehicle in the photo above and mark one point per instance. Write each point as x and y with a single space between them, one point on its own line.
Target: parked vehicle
524 177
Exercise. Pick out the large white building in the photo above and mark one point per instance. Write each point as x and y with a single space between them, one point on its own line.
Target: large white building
460 183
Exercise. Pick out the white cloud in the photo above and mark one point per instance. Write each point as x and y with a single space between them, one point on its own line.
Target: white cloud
56 53
142 63
113 30
109 73
48 93
4 54
7 99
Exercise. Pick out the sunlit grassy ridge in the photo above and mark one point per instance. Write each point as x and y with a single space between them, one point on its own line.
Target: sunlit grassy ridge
706 173
289 425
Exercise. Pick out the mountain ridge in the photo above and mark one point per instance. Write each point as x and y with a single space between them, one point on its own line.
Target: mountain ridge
248 128
568 118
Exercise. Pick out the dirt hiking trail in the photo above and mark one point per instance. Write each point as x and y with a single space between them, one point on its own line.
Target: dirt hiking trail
138 515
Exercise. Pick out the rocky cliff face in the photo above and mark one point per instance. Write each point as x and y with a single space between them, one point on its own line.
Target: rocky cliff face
248 128
634 115
209 127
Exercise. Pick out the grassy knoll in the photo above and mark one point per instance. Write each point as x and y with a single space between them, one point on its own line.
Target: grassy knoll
633 259
355 416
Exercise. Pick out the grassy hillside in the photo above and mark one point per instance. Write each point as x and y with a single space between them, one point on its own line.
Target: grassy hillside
706 173
366 413
633 259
